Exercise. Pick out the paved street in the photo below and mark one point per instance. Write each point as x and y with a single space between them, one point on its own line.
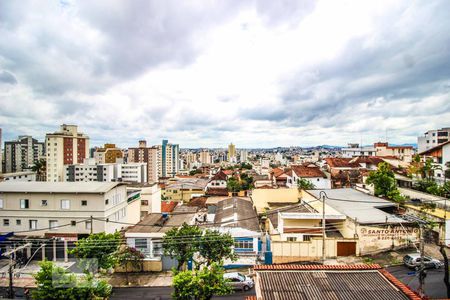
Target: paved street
434 285
162 293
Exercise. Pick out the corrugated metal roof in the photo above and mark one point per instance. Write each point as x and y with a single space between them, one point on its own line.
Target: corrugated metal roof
236 212
327 284
358 205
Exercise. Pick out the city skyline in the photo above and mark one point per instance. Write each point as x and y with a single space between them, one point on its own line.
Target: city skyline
260 74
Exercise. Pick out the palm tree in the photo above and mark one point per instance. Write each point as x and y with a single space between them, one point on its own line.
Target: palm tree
40 167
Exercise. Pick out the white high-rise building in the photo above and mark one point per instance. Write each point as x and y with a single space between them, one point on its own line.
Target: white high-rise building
65 147
243 156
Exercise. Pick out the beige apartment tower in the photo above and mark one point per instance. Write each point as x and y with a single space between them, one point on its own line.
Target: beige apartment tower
65 147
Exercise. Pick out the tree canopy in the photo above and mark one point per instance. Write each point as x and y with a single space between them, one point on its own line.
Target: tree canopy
202 284
304 184
98 246
182 243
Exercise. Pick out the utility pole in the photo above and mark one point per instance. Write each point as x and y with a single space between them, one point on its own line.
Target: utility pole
92 224
422 263
322 194
11 286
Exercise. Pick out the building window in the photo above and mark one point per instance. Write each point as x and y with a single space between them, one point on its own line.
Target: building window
24 203
65 204
33 224
106 201
142 246
5 222
44 202
1 203
291 239
306 238
243 244
18 222
73 223
83 202
88 225
52 224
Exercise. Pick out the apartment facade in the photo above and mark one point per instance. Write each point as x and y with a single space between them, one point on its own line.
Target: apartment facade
65 208
21 154
433 138
148 155
354 150
168 158
90 171
109 154
205 157
65 147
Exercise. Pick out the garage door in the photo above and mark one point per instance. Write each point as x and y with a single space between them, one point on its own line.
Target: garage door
346 248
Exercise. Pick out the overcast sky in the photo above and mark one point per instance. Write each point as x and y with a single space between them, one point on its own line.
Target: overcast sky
206 73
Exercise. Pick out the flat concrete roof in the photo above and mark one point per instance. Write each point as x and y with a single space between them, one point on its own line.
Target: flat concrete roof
57 187
358 205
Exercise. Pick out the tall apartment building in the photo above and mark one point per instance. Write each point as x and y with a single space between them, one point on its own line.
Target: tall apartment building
144 154
109 154
65 147
433 138
205 157
243 156
168 158
21 154
232 153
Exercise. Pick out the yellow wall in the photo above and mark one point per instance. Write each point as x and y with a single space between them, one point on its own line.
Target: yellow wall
261 197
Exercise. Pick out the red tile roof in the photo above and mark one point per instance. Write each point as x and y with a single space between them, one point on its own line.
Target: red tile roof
308 171
168 206
277 172
339 162
220 176
217 191
228 172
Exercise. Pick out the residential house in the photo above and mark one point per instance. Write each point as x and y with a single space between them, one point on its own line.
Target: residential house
18 176
146 236
184 189
343 172
237 217
309 172
441 156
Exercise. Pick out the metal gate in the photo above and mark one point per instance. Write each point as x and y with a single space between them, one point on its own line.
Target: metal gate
168 263
346 248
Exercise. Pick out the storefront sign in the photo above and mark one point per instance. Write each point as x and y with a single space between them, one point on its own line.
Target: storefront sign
389 233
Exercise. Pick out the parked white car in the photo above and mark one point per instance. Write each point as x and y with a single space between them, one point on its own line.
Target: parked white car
413 261
239 281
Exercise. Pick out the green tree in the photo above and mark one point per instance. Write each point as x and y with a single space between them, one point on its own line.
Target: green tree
195 171
233 185
40 167
247 166
383 180
246 182
97 246
56 283
304 184
201 284
181 243
215 246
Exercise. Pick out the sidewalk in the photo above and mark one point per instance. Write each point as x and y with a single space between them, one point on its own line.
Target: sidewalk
160 279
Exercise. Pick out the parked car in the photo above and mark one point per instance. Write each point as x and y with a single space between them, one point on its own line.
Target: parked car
239 281
413 261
